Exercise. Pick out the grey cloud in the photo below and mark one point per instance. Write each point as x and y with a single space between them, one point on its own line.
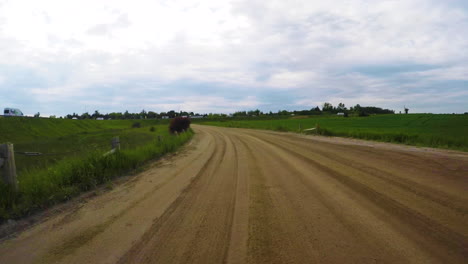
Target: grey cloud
289 52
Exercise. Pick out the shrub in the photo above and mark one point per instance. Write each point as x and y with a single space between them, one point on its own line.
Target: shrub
152 129
179 124
136 125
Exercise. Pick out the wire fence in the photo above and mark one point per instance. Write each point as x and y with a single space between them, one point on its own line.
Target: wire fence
36 153
8 165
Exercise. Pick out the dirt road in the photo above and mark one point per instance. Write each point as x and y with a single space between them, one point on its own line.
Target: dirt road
247 196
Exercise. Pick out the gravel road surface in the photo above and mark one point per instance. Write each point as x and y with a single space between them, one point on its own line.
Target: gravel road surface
250 196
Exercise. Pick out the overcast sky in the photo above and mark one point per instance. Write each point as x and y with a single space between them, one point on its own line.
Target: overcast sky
59 57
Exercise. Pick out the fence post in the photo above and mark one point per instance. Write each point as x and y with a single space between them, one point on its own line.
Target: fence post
7 153
115 143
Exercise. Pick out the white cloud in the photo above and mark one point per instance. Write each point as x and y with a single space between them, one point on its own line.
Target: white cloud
302 46
459 73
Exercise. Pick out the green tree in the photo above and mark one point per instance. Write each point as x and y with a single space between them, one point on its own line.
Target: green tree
327 107
85 116
172 114
96 114
127 115
341 107
152 115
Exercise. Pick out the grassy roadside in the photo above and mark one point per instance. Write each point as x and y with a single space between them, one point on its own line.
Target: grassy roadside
428 130
46 182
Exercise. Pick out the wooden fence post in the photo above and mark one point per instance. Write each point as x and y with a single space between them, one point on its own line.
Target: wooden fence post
116 143
7 154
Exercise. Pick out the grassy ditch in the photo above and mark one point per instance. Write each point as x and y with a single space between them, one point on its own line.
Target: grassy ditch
44 181
428 130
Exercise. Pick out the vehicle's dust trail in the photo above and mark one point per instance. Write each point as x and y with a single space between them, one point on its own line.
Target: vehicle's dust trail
249 196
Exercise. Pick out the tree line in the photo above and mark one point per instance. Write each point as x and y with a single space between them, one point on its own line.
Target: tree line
127 115
327 108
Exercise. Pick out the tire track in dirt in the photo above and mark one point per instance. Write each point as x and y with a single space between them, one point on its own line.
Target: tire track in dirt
426 195
453 242
426 192
72 243
206 235
307 222
104 227
237 249
247 196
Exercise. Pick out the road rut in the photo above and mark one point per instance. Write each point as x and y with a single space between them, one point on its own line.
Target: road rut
249 196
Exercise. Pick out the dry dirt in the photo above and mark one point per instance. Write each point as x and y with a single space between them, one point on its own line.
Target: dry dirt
247 196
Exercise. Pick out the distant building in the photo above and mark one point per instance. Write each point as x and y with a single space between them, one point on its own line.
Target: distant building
340 114
165 117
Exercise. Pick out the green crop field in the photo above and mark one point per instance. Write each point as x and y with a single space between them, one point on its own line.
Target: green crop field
72 156
430 130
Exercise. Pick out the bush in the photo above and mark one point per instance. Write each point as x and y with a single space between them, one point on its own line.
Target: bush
179 124
152 129
136 125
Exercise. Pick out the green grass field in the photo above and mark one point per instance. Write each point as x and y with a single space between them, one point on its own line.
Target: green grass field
73 158
429 130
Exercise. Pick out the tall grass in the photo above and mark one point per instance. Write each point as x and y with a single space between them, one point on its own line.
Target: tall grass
430 130
59 138
46 184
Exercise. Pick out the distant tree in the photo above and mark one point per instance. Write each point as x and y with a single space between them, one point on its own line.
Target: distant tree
143 114
239 114
85 116
406 110
152 115
254 112
327 107
127 115
37 114
359 111
96 114
172 114
341 107
115 115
